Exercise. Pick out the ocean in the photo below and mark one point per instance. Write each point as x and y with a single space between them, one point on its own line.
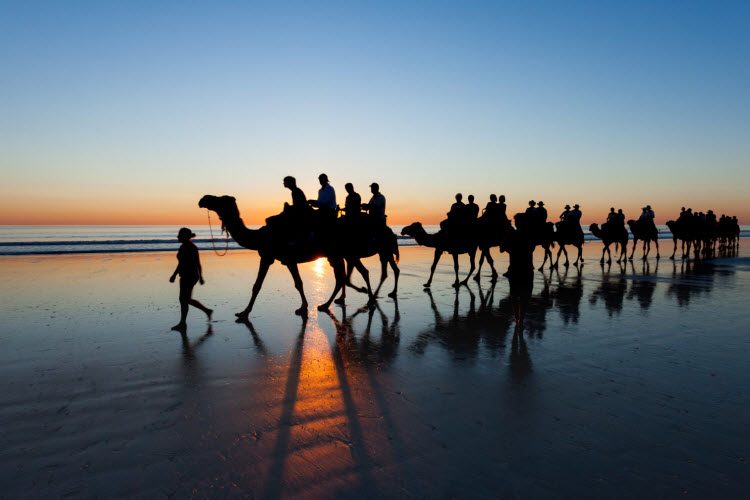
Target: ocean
50 240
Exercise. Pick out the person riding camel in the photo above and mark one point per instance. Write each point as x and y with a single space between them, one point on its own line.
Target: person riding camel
490 212
502 210
326 202
541 213
376 206
647 216
565 213
352 204
471 209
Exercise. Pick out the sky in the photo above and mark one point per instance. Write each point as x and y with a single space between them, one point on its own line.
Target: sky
128 112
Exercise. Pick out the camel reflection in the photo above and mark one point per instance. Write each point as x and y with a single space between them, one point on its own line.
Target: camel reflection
567 296
365 348
643 285
611 289
696 278
260 346
460 334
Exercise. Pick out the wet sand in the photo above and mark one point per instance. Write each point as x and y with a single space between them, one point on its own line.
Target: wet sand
627 382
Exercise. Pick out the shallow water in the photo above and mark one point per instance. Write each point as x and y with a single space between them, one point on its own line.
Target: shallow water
627 381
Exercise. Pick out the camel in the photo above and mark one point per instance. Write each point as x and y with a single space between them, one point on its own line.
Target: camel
490 236
272 246
545 238
442 243
569 236
610 234
681 231
646 233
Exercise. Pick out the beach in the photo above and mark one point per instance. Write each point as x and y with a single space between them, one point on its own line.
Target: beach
628 381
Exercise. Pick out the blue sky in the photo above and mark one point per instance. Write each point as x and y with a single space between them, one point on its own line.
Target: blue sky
138 108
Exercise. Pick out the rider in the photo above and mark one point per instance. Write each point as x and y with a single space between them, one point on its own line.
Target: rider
611 215
353 203
376 206
326 201
565 213
502 210
457 210
472 209
541 213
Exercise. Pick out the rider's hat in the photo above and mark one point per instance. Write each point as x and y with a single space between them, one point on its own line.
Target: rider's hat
567 207
541 203
576 205
186 233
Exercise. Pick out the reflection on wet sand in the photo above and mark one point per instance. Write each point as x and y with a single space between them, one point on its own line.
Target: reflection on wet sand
611 289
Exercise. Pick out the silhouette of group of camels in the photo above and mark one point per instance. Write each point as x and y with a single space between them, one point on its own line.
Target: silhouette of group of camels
345 248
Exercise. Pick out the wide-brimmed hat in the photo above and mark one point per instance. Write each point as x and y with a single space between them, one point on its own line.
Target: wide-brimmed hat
541 203
567 207
185 232
576 205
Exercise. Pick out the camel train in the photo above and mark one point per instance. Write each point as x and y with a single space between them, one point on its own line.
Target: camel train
344 249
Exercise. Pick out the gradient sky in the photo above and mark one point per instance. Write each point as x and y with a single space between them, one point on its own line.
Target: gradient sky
128 112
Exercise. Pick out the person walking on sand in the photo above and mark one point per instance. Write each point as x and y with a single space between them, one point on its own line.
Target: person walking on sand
190 271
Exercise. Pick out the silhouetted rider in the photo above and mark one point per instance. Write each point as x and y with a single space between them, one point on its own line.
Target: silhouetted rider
376 206
326 201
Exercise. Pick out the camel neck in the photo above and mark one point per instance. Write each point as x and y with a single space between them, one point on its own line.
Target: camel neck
243 235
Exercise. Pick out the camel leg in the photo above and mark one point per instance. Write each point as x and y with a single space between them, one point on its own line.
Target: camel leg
580 256
547 252
605 249
383 273
339 272
396 272
366 275
674 251
262 271
342 300
472 257
541 268
491 262
656 242
479 267
435 261
302 311
455 270
349 272
557 261
632 252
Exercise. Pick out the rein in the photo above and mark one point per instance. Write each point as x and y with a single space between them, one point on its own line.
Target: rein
223 230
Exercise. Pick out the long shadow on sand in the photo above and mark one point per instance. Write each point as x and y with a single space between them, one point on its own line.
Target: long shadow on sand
274 483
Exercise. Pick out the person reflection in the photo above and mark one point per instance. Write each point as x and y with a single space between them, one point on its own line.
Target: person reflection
188 348
520 273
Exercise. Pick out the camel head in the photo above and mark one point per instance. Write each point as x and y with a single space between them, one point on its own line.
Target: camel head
224 206
412 229
594 227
